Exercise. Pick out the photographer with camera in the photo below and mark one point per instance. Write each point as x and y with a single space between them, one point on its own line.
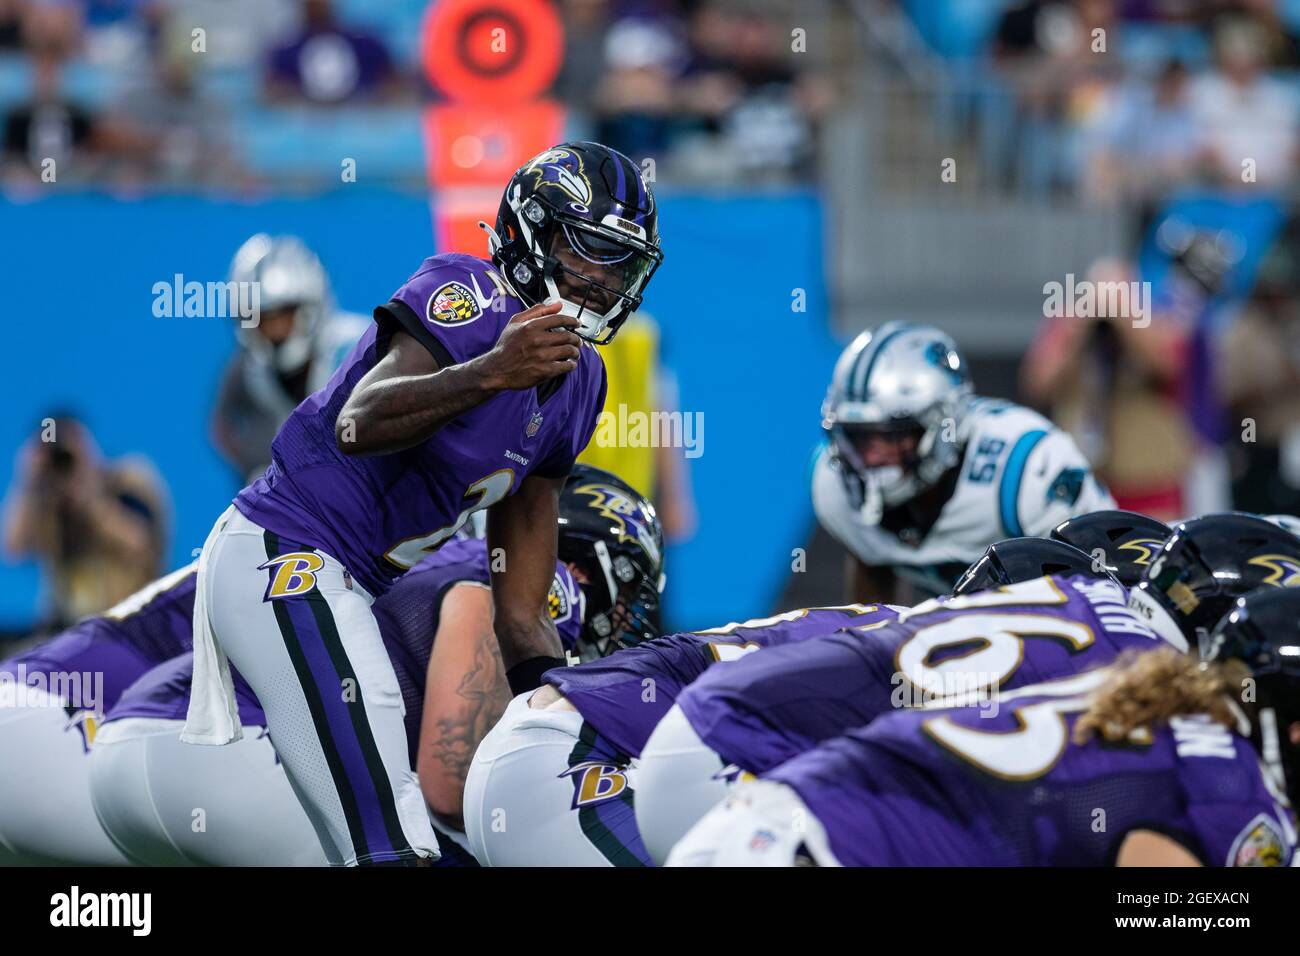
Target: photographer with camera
97 527
1113 384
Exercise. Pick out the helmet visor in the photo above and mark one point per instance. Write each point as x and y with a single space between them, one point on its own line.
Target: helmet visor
598 269
888 445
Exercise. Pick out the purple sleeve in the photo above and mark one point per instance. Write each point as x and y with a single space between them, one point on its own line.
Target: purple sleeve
565 603
447 306
1240 833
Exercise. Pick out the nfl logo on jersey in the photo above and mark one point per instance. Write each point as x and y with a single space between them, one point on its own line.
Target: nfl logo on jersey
533 425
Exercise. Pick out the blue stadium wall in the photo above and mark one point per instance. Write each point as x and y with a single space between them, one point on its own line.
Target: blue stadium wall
78 276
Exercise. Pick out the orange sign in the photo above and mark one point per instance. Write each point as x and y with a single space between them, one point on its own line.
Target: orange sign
492 51
492 60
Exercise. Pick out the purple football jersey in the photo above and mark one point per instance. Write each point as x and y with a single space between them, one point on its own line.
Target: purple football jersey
967 787
767 708
625 695
408 616
164 693
115 648
381 515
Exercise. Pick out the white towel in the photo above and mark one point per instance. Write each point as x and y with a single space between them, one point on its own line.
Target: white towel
213 716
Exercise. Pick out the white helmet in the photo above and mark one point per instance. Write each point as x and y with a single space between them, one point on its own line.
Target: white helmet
288 274
896 379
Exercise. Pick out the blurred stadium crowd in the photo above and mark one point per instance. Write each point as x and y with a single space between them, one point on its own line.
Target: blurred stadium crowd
718 89
123 93
1121 99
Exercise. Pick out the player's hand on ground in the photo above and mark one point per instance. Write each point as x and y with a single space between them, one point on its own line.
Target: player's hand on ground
536 345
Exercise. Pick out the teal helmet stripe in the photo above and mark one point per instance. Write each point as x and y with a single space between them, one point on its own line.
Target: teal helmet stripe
866 360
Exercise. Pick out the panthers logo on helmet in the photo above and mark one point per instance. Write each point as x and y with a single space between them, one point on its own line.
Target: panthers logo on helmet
1285 570
940 356
562 169
453 304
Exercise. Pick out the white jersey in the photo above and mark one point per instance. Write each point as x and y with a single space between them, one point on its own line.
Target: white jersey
338 332
1019 475
253 403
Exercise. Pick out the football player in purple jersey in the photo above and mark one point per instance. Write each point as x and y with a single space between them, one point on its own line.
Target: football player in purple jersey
771 707
53 698
436 625
476 388
553 783
540 759
563 759
1158 760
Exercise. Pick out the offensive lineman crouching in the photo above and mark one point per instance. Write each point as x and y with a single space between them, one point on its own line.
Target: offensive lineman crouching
436 624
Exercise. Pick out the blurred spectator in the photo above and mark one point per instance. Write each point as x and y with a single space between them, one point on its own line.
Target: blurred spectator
117 31
236 33
1242 114
1147 143
11 24
97 527
182 135
1259 381
755 110
585 25
1054 55
636 102
48 126
328 62
52 138
1032 27
1114 388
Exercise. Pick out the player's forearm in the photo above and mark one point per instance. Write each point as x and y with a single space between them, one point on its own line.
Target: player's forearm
527 639
393 414
455 723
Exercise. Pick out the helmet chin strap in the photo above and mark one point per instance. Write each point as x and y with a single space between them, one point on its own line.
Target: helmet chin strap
494 244
590 322
873 504
494 241
607 568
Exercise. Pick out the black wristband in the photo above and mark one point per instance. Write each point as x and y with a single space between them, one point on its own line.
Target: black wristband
527 675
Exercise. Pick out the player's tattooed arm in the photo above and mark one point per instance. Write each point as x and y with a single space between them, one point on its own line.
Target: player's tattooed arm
407 397
522 529
465 695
